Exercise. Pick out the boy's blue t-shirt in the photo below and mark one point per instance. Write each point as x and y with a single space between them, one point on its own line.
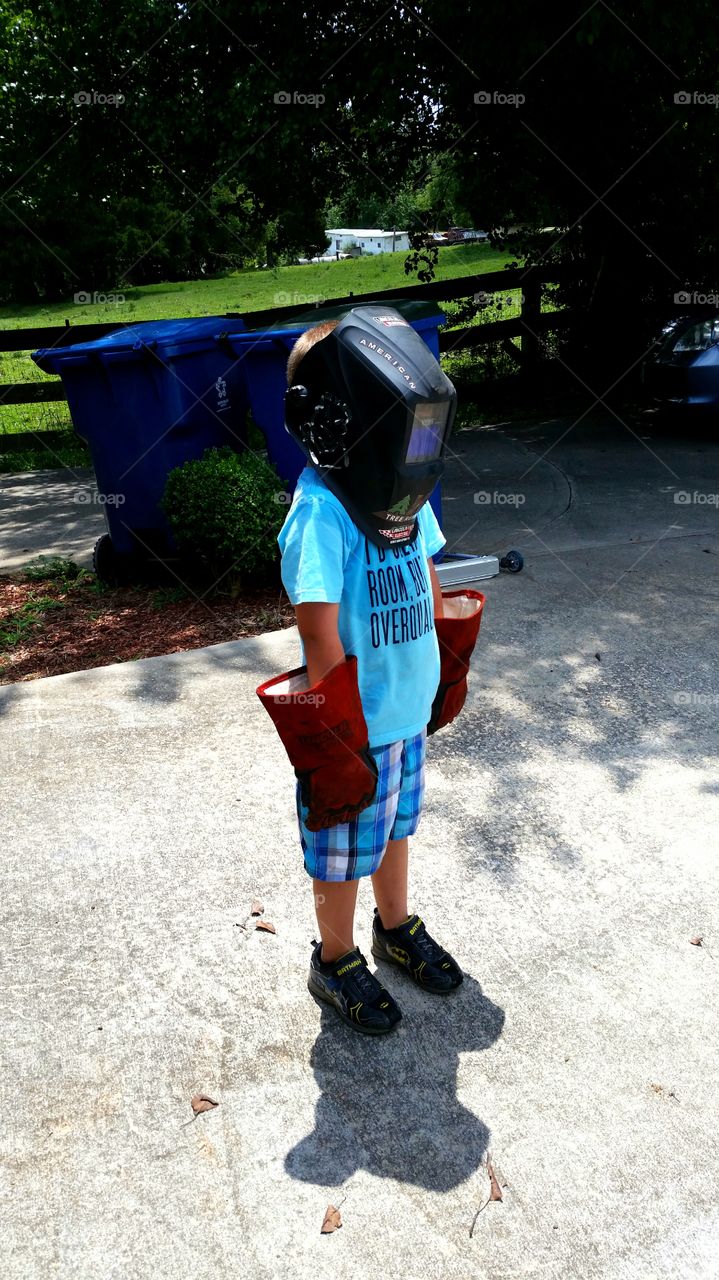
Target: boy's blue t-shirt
386 614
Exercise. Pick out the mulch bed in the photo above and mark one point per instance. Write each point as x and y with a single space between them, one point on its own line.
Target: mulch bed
49 627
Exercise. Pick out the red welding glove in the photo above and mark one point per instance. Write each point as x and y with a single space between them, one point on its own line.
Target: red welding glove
457 634
323 730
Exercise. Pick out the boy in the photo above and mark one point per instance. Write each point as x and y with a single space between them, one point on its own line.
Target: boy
371 409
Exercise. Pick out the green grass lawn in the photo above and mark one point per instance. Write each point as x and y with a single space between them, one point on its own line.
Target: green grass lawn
255 290
244 291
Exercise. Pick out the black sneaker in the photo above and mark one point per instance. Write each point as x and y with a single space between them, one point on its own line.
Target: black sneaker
412 948
357 995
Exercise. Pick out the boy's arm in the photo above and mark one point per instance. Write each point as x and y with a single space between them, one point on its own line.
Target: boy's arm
317 625
325 737
436 589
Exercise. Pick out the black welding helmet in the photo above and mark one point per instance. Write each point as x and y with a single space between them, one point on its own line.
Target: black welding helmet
372 410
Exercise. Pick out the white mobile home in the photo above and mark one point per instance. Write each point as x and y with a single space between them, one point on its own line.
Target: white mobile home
369 241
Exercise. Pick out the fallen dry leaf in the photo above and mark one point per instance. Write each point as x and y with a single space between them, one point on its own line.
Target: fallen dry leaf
257 908
331 1220
495 1189
201 1103
696 942
495 1192
265 926
659 1088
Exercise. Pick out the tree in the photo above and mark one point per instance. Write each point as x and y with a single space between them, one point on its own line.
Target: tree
599 149
238 126
183 136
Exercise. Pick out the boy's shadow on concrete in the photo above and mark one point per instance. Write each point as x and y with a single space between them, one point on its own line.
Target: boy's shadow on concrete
389 1103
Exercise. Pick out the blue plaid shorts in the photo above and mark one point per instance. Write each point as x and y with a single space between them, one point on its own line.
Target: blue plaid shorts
353 849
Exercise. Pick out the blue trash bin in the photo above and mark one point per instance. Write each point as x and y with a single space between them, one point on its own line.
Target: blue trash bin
146 399
265 352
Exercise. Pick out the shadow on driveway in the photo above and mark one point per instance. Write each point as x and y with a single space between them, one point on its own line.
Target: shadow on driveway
389 1104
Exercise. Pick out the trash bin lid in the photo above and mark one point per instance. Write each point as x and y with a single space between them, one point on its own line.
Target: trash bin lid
413 311
166 337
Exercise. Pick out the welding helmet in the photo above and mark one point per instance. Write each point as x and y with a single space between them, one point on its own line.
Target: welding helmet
372 410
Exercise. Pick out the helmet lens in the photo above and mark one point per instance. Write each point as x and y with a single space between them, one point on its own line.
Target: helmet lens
427 430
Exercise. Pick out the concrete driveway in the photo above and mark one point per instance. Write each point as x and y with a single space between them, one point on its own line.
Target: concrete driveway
567 856
49 513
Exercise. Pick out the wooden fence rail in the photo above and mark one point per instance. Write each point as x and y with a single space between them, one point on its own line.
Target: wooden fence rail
528 326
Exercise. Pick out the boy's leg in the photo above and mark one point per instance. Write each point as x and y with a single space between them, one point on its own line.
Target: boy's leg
335 909
352 849
337 858
390 879
389 883
428 963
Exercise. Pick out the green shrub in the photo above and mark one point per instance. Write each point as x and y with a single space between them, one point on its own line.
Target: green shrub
225 510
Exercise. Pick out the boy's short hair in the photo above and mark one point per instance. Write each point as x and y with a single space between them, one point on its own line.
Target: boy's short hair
305 343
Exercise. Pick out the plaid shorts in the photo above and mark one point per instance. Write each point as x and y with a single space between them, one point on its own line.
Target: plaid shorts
353 849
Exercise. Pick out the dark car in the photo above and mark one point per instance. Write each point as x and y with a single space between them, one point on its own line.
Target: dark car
682 371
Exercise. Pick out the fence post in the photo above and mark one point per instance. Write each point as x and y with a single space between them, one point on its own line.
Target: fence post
531 311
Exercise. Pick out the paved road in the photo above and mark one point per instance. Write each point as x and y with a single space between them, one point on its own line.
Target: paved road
567 855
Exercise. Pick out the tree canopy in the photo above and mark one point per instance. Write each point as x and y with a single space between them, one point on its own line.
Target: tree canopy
163 140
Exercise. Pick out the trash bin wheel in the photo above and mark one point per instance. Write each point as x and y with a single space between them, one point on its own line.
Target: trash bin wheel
513 562
112 568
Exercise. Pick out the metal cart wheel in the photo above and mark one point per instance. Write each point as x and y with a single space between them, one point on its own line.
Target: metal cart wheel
513 562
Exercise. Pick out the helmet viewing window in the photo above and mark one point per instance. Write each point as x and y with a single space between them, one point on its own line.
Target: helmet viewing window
427 430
